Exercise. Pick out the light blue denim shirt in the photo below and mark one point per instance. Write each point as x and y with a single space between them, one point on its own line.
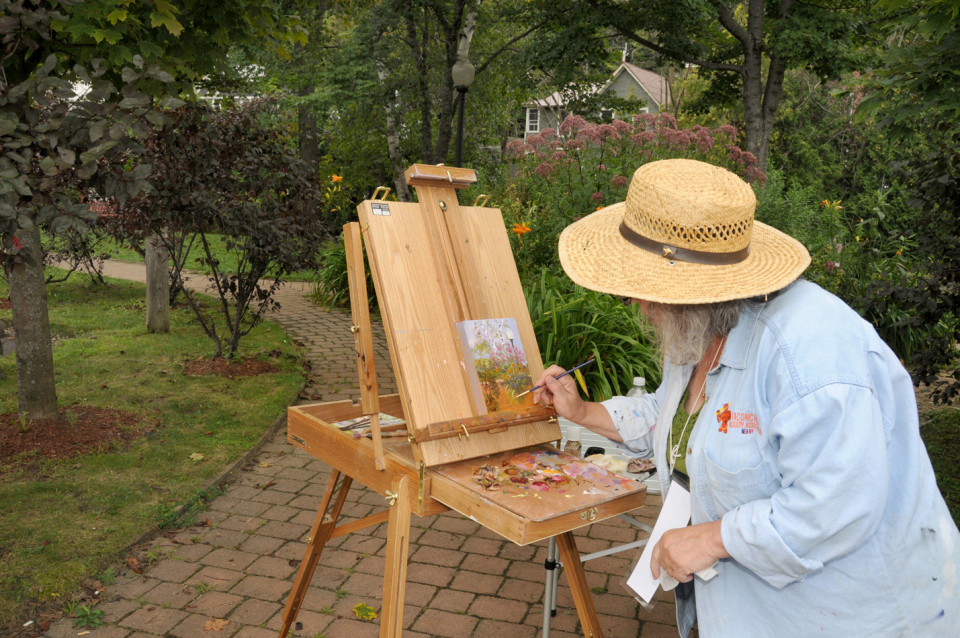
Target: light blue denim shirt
808 447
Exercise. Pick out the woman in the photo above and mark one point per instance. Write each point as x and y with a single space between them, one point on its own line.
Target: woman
795 425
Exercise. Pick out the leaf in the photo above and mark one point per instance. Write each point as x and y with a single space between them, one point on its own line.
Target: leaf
128 75
582 382
215 625
96 130
171 103
8 123
365 612
48 164
68 156
48 65
167 20
154 117
196 456
117 15
96 151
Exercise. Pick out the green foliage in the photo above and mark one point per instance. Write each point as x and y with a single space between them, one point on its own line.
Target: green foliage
331 285
941 434
58 144
919 71
573 324
87 617
195 40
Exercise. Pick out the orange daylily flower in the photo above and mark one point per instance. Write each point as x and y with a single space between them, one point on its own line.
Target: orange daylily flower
521 229
337 178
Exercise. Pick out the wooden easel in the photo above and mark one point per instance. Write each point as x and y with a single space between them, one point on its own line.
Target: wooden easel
435 264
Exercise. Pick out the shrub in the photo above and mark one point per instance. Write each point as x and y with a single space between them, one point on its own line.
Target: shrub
572 324
562 177
233 173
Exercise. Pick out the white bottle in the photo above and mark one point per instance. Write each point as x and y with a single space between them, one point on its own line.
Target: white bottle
573 441
638 389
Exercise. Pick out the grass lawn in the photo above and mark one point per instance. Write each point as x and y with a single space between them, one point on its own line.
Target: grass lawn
228 260
90 507
941 433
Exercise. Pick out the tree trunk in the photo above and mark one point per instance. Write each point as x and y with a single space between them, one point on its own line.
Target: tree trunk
157 262
37 394
418 43
457 48
309 144
751 41
393 140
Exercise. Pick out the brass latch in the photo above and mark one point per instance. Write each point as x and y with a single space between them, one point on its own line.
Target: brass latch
589 515
460 436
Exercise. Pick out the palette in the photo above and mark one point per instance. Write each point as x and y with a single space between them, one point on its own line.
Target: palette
537 483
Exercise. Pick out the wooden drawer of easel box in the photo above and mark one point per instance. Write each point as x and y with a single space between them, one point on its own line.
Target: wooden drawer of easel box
310 428
524 495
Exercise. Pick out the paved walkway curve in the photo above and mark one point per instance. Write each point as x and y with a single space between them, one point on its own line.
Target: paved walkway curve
463 580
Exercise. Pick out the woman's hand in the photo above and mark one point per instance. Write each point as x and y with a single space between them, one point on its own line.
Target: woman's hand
683 552
561 393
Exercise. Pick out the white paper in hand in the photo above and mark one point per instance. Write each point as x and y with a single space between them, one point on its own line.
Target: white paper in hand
674 515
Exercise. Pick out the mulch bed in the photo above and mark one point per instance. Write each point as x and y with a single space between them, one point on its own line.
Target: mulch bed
88 429
246 367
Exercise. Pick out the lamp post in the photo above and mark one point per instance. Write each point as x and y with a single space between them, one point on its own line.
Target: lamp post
463 73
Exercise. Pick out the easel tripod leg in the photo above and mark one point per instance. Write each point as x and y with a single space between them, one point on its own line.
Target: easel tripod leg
570 557
550 586
395 572
319 535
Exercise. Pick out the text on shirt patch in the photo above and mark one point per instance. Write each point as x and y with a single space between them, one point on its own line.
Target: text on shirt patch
743 421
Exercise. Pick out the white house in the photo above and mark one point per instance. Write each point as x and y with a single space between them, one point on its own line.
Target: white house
628 82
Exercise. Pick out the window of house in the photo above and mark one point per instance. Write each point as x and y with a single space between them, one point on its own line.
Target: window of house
533 120
607 115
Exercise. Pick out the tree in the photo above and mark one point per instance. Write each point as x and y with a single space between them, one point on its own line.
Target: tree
56 144
232 173
742 47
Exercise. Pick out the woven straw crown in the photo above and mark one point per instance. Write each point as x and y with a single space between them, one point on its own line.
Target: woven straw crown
685 234
690 205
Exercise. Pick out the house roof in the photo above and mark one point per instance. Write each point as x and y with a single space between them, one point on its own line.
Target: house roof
653 83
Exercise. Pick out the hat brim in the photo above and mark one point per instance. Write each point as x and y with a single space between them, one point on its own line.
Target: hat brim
595 255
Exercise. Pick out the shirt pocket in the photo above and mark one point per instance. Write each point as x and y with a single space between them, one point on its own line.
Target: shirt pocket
727 490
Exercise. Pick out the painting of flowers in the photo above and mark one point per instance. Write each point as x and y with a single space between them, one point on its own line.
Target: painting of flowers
496 364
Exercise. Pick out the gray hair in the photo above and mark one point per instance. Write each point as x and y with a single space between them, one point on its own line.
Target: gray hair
684 332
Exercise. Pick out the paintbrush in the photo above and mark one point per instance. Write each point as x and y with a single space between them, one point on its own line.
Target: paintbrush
585 363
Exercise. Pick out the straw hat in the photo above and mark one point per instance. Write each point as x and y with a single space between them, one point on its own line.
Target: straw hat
686 234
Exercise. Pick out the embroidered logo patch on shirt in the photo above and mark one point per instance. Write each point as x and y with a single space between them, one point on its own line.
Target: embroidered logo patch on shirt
746 422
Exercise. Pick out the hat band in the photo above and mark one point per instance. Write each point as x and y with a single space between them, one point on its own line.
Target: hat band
682 254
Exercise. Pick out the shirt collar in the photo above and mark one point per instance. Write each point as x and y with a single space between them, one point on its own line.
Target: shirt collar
739 340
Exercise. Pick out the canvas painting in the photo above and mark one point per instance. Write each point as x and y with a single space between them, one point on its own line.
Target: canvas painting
496 364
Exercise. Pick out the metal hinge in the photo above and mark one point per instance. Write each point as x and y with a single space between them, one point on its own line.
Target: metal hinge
423 469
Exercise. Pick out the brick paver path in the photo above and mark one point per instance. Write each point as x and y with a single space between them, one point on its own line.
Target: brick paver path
463 580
